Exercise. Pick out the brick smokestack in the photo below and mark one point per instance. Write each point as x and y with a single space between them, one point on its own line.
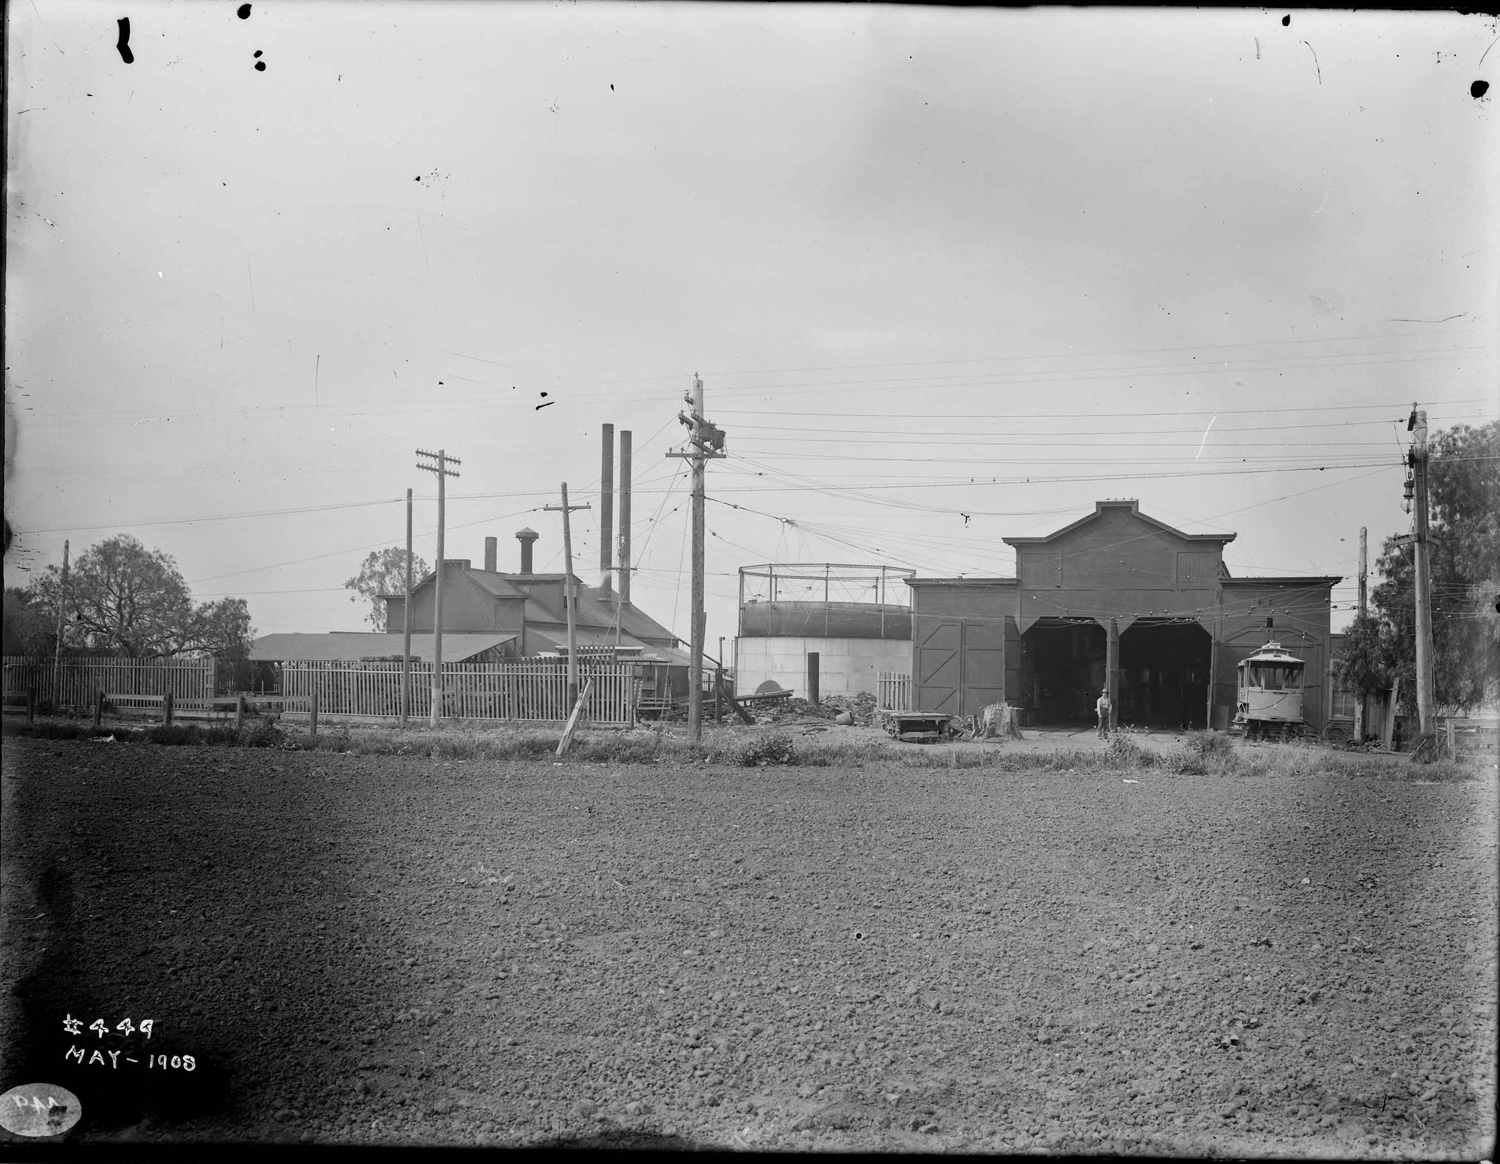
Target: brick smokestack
606 506
625 517
491 560
526 537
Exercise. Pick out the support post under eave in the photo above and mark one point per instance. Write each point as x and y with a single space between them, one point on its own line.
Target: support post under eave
1112 672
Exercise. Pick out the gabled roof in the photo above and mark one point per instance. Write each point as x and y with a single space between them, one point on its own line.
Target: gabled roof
351 646
1134 509
594 609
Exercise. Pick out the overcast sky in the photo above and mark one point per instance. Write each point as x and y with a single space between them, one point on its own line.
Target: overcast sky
948 275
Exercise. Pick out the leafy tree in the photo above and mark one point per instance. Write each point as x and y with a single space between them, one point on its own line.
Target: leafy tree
1464 521
124 599
384 572
1367 656
29 630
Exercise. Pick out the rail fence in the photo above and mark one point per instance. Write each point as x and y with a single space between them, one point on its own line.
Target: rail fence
895 691
517 690
83 678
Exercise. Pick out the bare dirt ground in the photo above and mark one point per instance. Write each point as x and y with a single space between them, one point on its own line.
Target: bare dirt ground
362 949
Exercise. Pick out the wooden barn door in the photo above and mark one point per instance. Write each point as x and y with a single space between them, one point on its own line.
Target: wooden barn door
958 666
983 666
935 665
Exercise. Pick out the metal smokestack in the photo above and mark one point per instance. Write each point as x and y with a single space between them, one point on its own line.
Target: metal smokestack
606 506
624 517
491 554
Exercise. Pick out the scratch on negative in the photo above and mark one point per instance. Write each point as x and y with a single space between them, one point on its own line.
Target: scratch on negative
1445 319
1315 62
1204 441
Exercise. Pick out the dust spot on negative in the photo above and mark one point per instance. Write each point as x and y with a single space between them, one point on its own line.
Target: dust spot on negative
859 935
1286 20
1479 89
243 12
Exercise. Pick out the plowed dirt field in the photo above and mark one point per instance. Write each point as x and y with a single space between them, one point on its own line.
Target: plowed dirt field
361 949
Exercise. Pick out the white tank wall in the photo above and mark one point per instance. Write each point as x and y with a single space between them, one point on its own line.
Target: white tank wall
845 666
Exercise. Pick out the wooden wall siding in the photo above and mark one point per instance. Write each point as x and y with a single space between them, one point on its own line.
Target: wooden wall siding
1041 568
1198 569
513 690
971 599
82 678
1117 566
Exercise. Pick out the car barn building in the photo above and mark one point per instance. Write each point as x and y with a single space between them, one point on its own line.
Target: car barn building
1116 599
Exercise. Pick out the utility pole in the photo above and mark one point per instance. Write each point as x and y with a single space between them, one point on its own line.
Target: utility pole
1423 596
568 598
1364 576
443 473
62 598
707 443
406 623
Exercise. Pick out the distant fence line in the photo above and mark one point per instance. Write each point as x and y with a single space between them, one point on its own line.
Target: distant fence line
82 678
522 689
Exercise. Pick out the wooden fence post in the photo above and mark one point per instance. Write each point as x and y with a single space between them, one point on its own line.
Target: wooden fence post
1451 753
239 711
313 713
166 708
98 707
30 706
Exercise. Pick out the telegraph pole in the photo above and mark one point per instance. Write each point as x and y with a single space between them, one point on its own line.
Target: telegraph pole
1364 576
62 597
707 442
443 473
1364 572
406 623
1423 595
568 598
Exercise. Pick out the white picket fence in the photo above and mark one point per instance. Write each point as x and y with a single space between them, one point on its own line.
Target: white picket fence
895 691
523 689
83 678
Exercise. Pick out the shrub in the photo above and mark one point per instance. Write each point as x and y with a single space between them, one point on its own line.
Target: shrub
262 733
770 749
1124 752
1209 744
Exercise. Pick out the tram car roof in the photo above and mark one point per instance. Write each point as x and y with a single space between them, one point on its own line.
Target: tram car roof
1272 652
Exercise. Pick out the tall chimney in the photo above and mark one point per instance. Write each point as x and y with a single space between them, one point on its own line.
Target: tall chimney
606 506
526 537
625 517
490 554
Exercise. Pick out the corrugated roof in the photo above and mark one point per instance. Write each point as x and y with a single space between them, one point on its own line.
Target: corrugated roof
352 646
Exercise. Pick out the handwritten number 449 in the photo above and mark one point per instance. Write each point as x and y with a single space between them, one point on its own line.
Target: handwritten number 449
74 1026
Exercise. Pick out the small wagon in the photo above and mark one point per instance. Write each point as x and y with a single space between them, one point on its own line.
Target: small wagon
923 727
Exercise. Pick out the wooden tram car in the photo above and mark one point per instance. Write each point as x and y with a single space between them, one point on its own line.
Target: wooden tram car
1269 698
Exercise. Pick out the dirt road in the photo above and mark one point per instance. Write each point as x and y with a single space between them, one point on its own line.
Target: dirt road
374 949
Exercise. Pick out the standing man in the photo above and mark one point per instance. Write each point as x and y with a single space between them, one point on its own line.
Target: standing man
1102 709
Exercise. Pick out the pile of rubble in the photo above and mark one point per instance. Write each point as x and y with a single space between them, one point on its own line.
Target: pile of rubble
793 710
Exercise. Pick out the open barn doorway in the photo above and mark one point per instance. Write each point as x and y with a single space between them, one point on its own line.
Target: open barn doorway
1164 674
1062 671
